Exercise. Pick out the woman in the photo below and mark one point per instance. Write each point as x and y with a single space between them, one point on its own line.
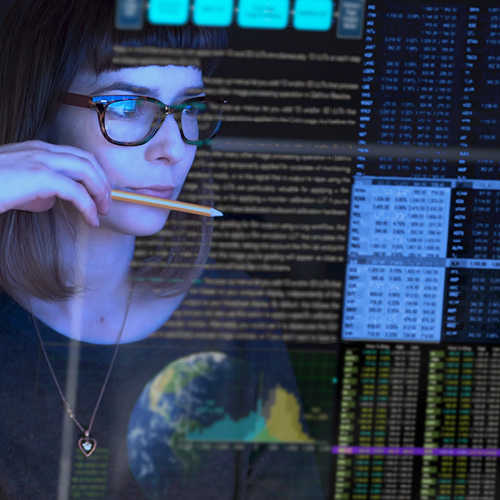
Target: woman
80 418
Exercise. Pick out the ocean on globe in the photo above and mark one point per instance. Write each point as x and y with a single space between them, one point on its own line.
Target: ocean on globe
189 394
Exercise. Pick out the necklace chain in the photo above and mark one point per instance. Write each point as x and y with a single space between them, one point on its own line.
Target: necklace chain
86 432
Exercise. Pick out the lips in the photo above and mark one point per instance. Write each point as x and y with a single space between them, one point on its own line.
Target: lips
165 192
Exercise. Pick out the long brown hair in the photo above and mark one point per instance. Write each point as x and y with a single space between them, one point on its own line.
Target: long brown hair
43 44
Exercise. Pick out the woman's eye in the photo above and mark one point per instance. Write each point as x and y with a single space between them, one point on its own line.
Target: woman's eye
125 109
194 108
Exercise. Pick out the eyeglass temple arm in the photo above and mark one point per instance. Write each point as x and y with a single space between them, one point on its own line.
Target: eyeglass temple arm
82 101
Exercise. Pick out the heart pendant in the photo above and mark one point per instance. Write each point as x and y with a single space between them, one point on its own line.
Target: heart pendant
87 445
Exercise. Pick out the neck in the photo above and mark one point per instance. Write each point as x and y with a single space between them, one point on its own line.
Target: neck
99 261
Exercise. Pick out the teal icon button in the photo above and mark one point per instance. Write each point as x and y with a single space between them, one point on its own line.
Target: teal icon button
313 15
213 12
168 12
265 14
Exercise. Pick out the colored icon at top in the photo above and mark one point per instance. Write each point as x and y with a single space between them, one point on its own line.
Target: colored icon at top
263 14
217 13
305 15
313 15
168 12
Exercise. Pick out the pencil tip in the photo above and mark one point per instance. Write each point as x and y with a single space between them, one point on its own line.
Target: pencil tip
216 213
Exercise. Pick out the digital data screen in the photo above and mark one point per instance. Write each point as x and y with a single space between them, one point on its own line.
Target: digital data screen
358 171
360 180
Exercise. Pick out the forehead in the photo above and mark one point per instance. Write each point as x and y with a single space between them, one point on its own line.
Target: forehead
163 82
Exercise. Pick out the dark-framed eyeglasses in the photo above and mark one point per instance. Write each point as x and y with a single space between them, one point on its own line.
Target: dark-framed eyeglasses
131 120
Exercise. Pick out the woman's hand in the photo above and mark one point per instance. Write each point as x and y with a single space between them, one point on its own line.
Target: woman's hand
34 174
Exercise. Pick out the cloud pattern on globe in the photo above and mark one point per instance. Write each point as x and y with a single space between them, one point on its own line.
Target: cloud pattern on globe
190 393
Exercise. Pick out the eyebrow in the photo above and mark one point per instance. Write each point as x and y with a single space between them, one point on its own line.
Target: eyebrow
145 91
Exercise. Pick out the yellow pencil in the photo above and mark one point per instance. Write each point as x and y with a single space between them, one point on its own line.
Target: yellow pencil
152 201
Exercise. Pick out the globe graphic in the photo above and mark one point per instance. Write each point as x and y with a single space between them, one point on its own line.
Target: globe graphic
189 394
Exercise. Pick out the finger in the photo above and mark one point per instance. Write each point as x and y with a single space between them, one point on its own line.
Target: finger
66 189
77 168
56 148
37 205
45 187
82 169
38 148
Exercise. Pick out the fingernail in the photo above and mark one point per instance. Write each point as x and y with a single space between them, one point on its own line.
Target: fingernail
97 221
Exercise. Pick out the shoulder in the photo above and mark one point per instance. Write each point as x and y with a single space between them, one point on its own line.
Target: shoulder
11 313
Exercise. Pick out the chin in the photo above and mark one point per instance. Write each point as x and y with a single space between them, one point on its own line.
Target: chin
150 228
143 224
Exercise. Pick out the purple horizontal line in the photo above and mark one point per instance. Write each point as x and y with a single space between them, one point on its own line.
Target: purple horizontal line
382 450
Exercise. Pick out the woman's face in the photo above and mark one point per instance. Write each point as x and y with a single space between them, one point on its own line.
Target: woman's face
162 163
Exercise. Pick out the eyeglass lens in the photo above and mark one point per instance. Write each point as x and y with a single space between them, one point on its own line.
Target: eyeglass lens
135 120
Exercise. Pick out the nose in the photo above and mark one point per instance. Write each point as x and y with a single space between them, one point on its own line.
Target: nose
167 144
